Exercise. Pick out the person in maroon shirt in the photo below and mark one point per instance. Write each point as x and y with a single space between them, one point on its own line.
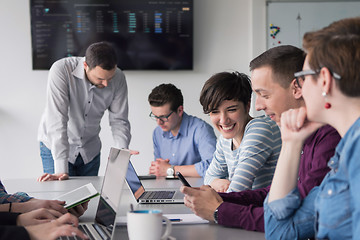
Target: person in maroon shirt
277 91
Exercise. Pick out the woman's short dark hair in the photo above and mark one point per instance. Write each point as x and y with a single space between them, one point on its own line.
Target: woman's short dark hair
225 86
101 54
166 93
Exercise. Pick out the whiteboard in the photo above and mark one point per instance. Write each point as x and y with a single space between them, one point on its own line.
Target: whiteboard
288 21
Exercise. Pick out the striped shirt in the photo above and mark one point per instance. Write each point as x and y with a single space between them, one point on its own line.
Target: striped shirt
252 164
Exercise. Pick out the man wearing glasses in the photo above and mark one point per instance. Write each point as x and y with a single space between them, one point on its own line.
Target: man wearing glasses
182 143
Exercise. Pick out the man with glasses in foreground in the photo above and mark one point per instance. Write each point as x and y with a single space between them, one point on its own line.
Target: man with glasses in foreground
182 143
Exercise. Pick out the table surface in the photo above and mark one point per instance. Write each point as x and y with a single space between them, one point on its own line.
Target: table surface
52 189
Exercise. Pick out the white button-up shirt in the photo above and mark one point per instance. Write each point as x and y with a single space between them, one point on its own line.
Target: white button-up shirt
74 107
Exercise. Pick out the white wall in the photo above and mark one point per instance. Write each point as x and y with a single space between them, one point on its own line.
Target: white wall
227 35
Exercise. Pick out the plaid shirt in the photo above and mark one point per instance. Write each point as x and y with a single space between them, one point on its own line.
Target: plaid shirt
16 197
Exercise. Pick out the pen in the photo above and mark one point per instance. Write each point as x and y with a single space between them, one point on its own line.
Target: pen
175 220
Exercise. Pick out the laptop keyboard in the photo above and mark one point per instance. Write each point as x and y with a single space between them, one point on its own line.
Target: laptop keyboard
86 230
104 235
158 195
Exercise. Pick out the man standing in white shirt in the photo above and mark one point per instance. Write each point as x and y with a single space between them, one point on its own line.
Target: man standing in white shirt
79 91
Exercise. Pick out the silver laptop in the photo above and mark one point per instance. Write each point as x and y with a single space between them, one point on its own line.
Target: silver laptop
154 196
103 227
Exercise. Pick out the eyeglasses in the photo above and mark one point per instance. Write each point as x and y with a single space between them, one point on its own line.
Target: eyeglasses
302 74
161 118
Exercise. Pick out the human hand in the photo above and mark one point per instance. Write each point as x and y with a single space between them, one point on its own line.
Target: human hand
295 127
159 167
34 204
202 201
51 177
220 185
79 209
134 152
37 216
64 226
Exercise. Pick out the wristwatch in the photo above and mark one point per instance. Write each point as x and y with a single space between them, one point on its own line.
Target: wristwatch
216 216
170 171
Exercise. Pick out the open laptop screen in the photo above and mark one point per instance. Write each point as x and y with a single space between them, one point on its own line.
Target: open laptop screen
134 181
105 214
110 192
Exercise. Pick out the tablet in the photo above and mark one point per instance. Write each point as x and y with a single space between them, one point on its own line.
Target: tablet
78 196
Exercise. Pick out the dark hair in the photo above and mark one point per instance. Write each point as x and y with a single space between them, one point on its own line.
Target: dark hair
166 93
225 86
101 54
284 61
337 47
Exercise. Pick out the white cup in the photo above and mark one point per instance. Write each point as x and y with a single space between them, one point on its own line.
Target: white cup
147 224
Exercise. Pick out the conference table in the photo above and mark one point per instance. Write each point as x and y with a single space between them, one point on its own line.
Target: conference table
208 231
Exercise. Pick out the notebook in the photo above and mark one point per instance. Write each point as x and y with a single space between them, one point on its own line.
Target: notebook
103 227
154 196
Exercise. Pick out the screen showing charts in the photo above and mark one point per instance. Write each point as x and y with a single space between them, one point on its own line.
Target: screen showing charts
147 35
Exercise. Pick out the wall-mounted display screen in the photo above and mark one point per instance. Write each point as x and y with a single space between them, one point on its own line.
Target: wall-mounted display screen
148 35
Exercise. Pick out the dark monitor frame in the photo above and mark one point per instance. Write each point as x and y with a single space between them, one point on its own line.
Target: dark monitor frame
147 34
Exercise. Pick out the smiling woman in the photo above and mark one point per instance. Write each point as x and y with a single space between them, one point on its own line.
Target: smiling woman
248 148
230 119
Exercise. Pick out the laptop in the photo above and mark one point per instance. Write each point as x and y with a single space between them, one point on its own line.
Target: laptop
103 227
154 196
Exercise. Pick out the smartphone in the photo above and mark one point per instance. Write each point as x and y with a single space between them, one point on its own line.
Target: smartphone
145 177
182 179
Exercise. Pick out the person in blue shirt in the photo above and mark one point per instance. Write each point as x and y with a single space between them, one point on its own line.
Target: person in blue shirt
182 143
330 83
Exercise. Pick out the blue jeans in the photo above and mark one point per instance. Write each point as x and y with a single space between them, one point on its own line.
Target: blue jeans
76 169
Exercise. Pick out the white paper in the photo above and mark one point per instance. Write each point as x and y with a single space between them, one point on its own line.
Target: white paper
186 218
